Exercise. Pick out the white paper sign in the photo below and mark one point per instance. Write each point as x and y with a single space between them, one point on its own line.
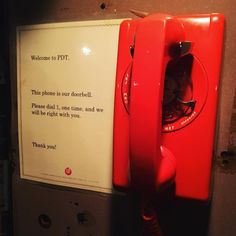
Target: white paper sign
66 79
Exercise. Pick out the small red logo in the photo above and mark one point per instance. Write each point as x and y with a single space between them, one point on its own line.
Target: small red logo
68 171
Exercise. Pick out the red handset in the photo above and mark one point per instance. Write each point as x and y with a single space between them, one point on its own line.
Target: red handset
143 55
149 165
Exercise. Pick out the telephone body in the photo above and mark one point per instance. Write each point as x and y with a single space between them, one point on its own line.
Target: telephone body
167 82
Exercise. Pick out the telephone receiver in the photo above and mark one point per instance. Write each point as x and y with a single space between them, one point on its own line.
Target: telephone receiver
156 41
164 84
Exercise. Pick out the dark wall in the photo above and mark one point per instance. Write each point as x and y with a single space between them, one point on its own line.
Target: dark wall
4 117
180 218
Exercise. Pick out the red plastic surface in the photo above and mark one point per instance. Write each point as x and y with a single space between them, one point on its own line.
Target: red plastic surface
147 155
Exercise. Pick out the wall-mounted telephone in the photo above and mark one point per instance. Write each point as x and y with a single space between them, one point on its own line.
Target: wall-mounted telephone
165 103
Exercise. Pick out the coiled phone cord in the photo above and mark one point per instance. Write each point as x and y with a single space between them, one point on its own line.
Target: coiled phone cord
151 226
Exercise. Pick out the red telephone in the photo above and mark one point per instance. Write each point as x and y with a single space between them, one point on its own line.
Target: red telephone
165 103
